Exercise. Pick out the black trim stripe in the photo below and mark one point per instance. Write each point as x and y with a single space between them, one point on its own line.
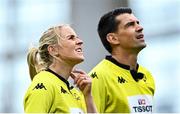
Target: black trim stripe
127 67
136 75
60 77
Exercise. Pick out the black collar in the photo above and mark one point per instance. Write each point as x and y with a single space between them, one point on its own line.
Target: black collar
60 77
127 67
136 75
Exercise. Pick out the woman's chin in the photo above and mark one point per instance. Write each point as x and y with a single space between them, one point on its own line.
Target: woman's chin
78 60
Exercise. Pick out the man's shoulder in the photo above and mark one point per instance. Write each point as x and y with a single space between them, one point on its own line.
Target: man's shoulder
101 66
143 69
147 73
100 70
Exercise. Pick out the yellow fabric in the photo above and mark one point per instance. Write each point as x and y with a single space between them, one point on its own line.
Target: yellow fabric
114 89
49 94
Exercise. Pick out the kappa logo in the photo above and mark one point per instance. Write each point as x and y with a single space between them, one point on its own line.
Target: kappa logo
40 86
121 80
94 75
63 90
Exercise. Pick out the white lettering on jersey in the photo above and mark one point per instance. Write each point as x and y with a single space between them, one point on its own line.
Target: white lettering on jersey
76 110
141 103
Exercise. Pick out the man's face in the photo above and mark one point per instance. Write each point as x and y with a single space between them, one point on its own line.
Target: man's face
130 33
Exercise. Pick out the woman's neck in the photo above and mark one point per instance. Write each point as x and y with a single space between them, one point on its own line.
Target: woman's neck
63 70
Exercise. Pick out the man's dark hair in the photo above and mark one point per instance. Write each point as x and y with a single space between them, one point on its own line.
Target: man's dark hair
108 24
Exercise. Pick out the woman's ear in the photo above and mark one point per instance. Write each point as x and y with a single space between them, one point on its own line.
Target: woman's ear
53 50
112 39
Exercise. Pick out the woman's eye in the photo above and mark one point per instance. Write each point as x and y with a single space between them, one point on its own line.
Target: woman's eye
71 37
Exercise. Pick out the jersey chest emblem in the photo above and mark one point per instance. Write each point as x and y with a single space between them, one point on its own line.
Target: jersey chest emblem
76 96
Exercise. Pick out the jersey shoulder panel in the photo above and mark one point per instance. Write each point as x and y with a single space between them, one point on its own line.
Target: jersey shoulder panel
100 69
40 90
148 78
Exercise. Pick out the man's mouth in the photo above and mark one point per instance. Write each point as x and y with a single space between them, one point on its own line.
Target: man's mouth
140 36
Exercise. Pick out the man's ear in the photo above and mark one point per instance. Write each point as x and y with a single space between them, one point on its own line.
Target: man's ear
112 39
53 50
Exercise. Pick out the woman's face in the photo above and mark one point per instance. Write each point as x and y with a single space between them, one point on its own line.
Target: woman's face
70 46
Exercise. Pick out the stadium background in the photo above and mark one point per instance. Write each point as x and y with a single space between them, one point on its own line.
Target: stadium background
23 21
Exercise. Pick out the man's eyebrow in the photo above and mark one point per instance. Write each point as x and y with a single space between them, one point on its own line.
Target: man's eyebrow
131 22
128 23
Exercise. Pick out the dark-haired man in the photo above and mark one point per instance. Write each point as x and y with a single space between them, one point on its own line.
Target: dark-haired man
120 84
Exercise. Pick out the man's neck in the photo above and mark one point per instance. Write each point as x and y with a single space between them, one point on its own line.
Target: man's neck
127 59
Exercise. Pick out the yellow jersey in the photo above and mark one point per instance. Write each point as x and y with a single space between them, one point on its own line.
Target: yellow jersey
50 93
116 91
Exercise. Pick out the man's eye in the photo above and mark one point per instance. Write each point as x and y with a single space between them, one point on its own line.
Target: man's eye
138 22
131 24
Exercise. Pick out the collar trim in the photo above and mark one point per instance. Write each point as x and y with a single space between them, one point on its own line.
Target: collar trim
59 76
127 67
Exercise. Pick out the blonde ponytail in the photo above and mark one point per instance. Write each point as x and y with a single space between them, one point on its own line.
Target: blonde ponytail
31 60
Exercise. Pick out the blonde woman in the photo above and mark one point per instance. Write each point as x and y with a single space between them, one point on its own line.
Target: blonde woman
50 66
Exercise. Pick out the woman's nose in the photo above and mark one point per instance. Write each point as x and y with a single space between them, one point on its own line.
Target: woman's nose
79 41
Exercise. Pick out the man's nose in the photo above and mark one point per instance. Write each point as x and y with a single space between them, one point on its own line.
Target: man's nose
139 28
